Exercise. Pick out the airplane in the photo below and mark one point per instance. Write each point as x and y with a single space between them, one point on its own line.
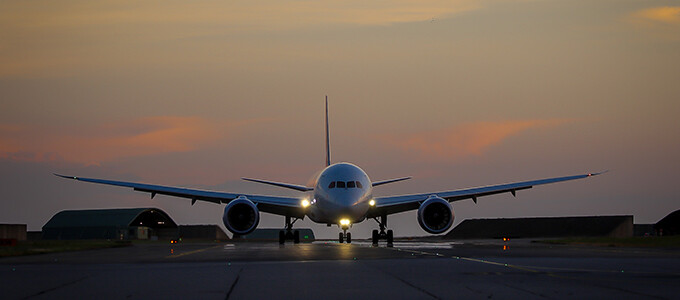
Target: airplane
341 194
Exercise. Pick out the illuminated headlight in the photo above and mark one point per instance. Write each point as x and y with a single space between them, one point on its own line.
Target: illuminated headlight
304 203
371 203
344 222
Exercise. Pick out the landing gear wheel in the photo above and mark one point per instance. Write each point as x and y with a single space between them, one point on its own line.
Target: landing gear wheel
349 238
378 235
296 237
288 233
341 238
282 237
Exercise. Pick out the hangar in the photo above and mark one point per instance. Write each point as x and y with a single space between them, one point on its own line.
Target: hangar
669 225
611 226
120 223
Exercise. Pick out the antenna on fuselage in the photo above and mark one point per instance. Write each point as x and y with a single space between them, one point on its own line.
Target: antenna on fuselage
328 142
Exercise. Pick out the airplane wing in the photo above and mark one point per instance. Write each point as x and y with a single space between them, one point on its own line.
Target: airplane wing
395 204
286 206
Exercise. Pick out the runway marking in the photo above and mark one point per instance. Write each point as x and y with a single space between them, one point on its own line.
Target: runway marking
233 284
191 252
535 270
523 268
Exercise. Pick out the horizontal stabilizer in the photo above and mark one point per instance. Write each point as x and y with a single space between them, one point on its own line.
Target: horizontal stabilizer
377 183
296 187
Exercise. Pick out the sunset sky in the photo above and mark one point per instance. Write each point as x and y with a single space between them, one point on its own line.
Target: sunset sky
454 93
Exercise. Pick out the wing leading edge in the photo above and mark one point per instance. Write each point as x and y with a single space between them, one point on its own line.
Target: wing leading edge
395 204
271 204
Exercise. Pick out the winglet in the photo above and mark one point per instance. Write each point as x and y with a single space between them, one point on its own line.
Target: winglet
328 142
598 173
67 177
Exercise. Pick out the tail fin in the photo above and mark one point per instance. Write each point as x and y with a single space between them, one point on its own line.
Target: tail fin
328 142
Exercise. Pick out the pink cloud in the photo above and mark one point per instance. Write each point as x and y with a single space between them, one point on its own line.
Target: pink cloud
463 140
107 142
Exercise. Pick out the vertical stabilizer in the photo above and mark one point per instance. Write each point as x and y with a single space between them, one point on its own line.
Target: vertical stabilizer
328 142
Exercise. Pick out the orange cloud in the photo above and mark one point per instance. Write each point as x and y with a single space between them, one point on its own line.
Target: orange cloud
665 14
107 142
464 140
267 14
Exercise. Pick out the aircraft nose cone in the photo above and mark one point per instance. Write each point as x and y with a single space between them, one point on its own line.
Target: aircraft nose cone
353 211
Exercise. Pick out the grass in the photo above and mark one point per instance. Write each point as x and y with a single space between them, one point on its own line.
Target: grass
53 246
651 242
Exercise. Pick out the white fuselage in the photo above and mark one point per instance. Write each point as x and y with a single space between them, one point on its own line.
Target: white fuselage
341 191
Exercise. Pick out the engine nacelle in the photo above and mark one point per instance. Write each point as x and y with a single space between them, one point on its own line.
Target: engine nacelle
241 216
435 215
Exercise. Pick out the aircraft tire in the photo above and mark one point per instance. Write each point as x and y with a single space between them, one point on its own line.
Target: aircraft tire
341 238
390 238
296 237
349 238
375 236
282 237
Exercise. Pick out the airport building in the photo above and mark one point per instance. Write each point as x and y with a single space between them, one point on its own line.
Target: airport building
13 231
120 224
206 232
596 226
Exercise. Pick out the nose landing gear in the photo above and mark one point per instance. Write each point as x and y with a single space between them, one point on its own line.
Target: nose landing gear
344 235
382 235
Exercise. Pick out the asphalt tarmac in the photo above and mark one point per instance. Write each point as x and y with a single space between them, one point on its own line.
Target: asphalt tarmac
484 269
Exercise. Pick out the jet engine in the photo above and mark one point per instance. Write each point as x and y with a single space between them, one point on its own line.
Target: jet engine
435 215
241 216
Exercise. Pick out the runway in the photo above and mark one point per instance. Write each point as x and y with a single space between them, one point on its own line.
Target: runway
410 270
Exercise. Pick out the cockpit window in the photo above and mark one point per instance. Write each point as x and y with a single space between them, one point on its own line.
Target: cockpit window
343 185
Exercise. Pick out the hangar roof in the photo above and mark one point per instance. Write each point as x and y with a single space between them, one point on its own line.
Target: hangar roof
670 224
118 217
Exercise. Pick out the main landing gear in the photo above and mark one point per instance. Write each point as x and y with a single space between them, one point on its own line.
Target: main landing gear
382 235
289 233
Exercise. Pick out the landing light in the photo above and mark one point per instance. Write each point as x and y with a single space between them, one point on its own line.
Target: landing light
371 203
344 222
304 203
